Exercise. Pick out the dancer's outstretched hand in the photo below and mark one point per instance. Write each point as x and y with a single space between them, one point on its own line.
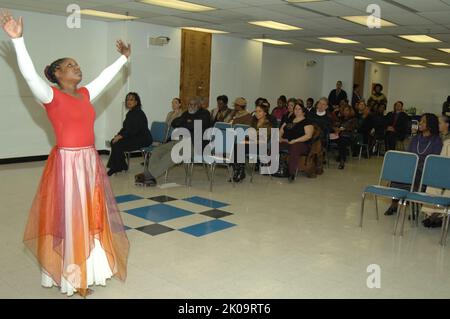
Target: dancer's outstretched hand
12 27
123 49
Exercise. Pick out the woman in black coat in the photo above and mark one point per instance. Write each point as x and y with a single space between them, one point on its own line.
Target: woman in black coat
133 135
397 123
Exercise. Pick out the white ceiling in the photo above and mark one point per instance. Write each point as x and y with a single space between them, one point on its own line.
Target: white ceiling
318 19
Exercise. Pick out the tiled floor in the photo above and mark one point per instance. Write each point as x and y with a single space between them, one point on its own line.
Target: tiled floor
162 214
297 240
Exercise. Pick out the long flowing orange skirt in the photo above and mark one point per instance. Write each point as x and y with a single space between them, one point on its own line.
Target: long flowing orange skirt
74 228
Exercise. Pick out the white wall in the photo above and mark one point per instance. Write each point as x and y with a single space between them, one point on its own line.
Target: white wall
337 68
376 73
24 128
236 66
154 72
424 89
285 72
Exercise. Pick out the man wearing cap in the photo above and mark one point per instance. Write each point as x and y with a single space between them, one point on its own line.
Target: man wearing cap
240 114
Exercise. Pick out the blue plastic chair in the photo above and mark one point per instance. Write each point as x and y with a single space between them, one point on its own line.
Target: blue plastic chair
397 167
222 152
158 131
159 135
435 174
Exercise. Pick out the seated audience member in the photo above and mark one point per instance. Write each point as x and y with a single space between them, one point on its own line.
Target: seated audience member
300 101
281 108
221 113
240 114
310 106
356 96
446 107
336 96
434 216
376 98
290 114
177 110
444 128
133 136
161 159
347 124
259 121
204 102
323 119
379 125
265 103
426 142
295 136
397 123
366 122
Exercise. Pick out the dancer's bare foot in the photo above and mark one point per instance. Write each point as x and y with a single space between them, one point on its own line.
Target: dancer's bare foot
85 292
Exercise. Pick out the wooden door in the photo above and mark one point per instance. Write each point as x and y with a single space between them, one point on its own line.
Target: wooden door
195 65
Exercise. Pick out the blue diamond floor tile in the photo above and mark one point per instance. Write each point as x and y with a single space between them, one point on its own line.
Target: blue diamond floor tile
159 213
126 198
205 202
207 227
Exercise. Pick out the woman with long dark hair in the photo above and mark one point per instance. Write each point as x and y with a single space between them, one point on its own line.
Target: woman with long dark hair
425 143
133 136
74 228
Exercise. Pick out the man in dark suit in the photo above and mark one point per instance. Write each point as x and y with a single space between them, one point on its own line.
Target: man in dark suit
336 96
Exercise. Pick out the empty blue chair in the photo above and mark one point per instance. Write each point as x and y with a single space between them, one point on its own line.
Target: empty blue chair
397 167
436 174
159 134
222 152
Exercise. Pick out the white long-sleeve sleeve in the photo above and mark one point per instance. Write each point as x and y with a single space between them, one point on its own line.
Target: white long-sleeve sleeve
40 89
97 85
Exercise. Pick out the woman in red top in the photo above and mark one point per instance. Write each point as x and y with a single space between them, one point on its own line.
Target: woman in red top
74 228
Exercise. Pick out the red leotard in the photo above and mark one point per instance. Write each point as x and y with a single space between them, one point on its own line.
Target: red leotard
72 118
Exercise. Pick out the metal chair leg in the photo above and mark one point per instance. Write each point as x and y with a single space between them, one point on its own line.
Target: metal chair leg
376 208
362 209
368 151
213 169
206 170
127 158
191 173
186 173
166 175
360 152
403 209
230 173
445 223
398 217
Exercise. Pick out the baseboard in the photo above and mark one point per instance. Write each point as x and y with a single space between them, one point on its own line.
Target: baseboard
37 158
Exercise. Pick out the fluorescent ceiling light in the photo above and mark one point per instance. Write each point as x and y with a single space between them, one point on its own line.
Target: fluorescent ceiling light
271 41
358 57
444 50
275 25
382 50
419 38
364 19
418 66
322 50
387 62
108 15
439 63
414 58
204 30
179 5
338 40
